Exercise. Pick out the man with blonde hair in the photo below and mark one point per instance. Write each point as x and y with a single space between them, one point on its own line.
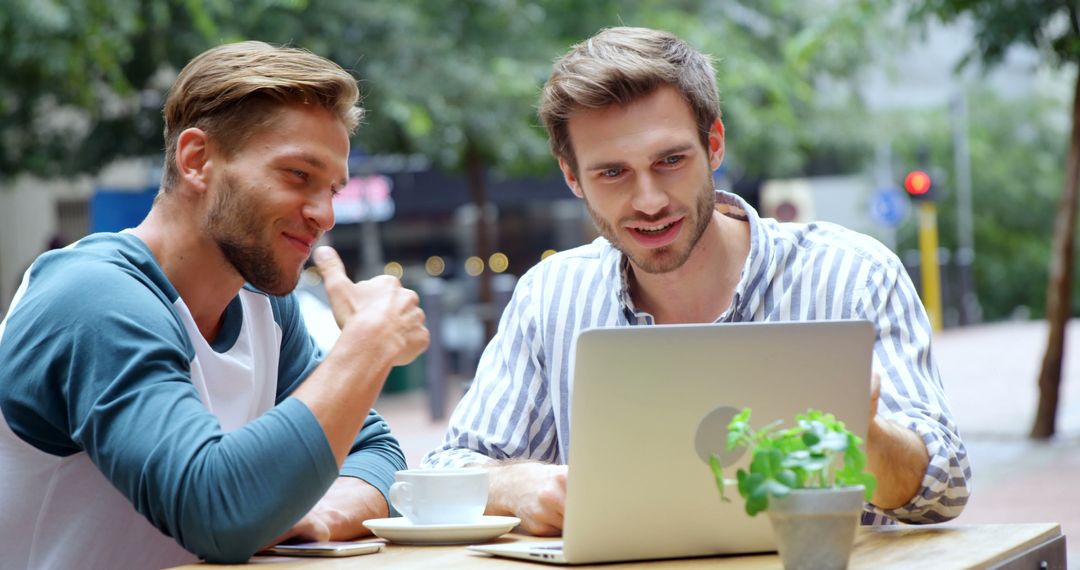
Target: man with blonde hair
160 396
633 117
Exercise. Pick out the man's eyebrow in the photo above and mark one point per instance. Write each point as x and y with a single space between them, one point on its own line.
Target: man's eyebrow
679 148
604 166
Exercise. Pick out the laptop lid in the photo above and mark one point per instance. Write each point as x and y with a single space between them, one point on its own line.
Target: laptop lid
650 404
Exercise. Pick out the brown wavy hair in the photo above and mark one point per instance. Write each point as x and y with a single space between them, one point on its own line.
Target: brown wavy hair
233 90
618 66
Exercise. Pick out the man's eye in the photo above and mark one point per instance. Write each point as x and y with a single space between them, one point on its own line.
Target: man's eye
300 174
611 172
673 160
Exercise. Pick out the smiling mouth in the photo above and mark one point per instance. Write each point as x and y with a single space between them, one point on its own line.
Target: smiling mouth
654 230
300 242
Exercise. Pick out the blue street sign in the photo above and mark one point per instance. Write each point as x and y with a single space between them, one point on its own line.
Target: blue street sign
889 207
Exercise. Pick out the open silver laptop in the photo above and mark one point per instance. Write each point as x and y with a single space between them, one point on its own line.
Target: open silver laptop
650 404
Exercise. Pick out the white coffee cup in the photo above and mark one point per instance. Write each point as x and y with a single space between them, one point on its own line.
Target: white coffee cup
440 496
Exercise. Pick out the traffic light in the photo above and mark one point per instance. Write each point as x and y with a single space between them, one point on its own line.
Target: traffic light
918 185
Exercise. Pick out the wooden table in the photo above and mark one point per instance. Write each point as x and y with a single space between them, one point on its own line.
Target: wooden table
903 547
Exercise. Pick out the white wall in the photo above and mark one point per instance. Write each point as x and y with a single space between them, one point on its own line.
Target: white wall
27 222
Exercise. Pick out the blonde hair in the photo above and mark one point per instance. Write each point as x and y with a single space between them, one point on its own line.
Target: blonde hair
232 91
618 66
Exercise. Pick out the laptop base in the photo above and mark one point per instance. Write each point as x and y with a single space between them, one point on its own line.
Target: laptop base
547 551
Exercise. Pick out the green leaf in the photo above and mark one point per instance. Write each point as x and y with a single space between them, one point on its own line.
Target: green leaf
743 479
833 441
775 488
733 438
788 478
776 461
757 504
797 458
761 462
816 463
718 475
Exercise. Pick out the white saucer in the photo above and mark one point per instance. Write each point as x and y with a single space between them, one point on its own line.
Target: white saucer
401 531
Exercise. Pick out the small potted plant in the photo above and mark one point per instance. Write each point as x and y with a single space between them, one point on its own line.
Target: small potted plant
810 478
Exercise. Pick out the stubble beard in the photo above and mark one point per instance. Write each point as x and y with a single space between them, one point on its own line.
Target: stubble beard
664 259
234 225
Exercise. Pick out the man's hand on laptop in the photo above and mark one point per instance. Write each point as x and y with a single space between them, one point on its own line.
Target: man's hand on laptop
533 492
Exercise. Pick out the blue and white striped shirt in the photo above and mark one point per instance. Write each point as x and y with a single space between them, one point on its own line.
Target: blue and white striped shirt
518 405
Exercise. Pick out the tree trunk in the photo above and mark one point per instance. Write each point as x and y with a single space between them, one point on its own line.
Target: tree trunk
1059 289
474 173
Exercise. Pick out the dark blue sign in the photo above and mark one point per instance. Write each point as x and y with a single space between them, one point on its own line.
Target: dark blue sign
115 210
889 207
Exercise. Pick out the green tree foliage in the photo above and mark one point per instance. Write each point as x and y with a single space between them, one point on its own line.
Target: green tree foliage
1053 27
788 72
1015 186
456 81
83 80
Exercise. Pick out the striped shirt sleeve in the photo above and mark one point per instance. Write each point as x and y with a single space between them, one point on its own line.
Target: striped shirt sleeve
912 395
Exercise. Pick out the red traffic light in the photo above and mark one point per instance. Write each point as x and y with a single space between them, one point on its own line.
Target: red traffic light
917 183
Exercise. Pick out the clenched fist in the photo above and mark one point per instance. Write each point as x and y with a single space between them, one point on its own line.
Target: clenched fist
378 310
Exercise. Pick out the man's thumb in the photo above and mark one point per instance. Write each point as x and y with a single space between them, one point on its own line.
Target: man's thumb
329 263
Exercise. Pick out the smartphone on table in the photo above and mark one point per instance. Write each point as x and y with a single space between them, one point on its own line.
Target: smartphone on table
332 549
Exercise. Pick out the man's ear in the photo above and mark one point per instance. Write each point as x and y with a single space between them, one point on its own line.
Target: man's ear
716 144
193 160
571 178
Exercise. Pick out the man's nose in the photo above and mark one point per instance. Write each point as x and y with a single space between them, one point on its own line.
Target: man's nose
319 210
649 196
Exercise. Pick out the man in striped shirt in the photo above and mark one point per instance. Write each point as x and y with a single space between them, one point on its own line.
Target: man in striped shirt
633 117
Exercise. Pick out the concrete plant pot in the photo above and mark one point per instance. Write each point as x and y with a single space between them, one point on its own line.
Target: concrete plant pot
815 528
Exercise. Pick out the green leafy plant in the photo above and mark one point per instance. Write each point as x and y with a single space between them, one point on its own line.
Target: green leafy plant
806 456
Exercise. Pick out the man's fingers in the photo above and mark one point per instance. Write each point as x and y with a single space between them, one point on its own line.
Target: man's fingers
386 281
310 529
542 529
319 531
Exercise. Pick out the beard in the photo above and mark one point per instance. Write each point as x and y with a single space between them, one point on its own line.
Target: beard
233 223
670 257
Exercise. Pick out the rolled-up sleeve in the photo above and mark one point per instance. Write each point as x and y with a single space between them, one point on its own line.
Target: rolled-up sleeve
912 395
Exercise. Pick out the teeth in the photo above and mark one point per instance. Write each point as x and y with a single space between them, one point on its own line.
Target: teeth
654 229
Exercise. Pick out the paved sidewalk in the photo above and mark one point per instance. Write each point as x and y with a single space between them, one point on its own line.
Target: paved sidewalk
990 374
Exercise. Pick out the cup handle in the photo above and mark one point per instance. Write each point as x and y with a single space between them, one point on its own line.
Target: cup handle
401 497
